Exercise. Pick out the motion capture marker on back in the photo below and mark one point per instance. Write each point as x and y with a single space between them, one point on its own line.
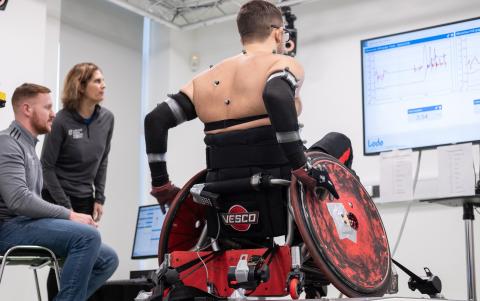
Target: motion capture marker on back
211 66
157 158
216 83
287 75
244 51
227 101
177 111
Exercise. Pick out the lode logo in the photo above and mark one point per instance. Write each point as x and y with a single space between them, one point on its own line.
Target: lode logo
375 143
239 218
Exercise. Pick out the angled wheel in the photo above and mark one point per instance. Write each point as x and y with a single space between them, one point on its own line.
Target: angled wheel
294 288
184 221
345 237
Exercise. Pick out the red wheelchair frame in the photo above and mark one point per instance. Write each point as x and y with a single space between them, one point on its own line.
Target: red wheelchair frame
343 243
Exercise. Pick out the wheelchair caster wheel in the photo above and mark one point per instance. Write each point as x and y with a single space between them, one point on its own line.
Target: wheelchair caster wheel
294 288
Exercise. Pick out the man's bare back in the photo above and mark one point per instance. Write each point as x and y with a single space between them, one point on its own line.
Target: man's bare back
233 88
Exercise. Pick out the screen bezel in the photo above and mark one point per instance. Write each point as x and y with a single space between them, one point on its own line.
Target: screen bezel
363 88
135 236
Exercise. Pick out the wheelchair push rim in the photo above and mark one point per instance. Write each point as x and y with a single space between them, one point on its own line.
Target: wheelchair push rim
345 237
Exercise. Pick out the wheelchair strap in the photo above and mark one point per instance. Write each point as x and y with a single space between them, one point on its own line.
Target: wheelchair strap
195 261
244 156
271 252
222 124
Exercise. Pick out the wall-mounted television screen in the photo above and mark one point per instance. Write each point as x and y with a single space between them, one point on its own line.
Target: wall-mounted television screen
421 88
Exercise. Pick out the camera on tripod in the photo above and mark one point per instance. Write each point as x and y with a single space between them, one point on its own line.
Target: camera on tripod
3 99
291 44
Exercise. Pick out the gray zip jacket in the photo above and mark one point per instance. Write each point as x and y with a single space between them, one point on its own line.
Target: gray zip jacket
75 155
21 177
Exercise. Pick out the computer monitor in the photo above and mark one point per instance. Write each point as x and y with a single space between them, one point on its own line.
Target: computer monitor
421 88
147 232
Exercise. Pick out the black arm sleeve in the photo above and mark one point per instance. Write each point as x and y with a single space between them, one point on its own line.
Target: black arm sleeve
279 96
170 113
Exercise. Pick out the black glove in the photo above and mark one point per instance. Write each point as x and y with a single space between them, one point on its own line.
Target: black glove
315 178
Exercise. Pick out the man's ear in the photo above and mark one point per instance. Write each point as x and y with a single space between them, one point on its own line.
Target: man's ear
278 35
26 109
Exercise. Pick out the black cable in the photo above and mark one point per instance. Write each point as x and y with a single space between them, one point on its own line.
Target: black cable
410 203
475 174
477 189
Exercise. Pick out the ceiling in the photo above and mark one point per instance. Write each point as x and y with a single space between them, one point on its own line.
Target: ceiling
191 14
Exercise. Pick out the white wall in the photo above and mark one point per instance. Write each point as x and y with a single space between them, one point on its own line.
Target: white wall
168 72
111 37
330 52
23 28
18 62
329 48
329 33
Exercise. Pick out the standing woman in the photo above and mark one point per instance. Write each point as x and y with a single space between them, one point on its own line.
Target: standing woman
75 153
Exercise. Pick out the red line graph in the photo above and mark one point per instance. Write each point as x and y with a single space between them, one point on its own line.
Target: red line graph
430 61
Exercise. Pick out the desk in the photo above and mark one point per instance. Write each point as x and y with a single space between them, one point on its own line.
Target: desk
468 203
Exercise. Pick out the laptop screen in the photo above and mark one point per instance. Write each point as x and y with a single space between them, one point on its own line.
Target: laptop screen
147 232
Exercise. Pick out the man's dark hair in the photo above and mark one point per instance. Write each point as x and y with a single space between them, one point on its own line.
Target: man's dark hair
255 18
27 90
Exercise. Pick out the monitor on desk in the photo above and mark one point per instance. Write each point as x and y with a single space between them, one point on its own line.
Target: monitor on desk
147 232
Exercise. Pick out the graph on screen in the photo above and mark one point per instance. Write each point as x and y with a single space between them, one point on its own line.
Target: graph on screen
422 88
147 232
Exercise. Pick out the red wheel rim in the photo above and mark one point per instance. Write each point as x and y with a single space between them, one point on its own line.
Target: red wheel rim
184 221
345 237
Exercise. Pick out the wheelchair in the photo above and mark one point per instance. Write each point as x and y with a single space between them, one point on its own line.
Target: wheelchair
329 241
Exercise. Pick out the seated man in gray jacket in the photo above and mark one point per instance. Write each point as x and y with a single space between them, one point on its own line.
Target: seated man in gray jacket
26 219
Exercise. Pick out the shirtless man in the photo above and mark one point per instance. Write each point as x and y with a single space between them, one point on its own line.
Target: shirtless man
249 104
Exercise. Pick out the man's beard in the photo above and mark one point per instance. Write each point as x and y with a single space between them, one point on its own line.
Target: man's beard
40 128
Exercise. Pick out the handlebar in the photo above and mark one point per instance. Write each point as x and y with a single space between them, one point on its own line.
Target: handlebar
208 193
256 182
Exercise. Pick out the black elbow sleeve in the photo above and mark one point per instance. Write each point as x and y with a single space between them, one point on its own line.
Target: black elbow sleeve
185 104
170 113
279 96
157 123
